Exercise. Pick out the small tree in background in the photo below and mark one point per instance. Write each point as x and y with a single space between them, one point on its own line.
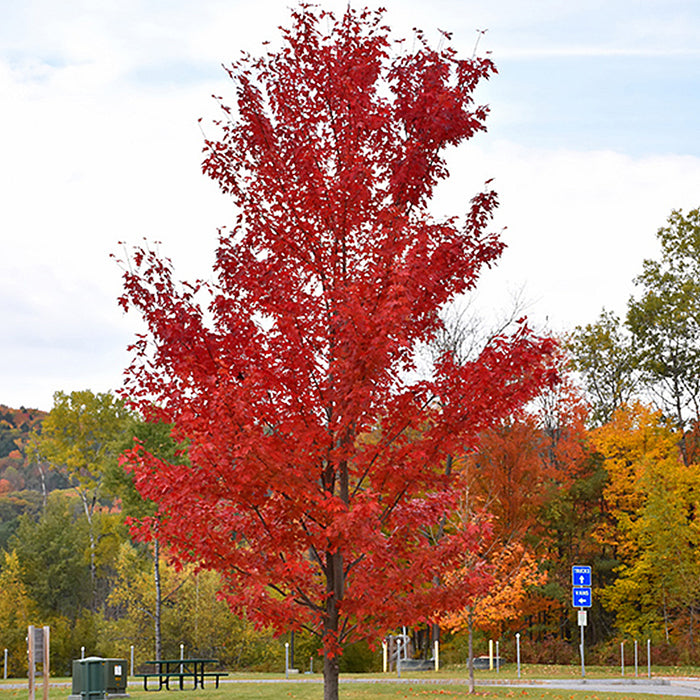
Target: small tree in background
17 611
81 435
665 323
334 272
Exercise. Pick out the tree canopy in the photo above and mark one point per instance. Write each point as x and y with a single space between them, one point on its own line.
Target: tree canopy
316 459
665 319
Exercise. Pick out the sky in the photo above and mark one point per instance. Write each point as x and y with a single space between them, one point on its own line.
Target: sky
593 139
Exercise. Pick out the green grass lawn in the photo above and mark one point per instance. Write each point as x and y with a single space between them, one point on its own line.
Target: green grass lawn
352 691
310 687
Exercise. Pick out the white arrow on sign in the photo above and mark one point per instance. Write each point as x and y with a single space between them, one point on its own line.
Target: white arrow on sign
582 597
581 575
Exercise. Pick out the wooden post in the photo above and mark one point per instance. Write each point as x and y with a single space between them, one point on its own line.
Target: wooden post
38 639
46 663
32 660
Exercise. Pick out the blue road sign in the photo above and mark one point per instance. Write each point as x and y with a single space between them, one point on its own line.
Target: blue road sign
581 575
582 597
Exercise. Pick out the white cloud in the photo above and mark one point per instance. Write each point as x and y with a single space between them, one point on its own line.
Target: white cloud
100 143
579 224
583 50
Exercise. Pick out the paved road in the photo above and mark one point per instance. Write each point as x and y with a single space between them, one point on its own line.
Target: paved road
685 687
678 687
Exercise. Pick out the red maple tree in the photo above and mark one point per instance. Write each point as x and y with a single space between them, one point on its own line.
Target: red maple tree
316 459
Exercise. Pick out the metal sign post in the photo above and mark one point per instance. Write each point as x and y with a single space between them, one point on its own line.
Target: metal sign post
581 598
582 622
583 663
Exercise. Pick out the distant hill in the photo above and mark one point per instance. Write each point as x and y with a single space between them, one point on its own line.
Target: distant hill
20 482
16 424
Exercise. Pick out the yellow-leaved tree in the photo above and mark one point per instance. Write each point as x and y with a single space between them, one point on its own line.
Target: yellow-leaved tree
653 499
17 611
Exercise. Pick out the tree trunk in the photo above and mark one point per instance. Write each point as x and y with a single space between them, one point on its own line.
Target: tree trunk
692 610
472 688
335 589
330 678
88 508
156 579
44 492
434 637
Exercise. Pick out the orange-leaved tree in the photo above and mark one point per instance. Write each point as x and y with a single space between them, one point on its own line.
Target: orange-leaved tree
514 571
521 474
333 273
510 572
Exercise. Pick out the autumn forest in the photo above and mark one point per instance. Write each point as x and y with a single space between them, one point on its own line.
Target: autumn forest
602 469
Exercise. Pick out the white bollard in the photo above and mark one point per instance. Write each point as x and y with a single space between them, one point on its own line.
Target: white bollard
622 658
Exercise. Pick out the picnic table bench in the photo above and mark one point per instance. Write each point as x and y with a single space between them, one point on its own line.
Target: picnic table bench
180 669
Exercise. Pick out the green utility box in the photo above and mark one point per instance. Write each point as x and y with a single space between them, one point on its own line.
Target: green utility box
115 676
95 678
89 678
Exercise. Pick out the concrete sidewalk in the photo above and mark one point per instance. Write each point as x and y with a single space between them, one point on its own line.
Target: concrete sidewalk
674 686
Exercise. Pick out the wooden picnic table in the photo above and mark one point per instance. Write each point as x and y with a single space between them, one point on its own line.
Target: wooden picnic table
180 669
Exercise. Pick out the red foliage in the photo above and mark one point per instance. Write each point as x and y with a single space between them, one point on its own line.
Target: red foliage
506 476
316 466
522 460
